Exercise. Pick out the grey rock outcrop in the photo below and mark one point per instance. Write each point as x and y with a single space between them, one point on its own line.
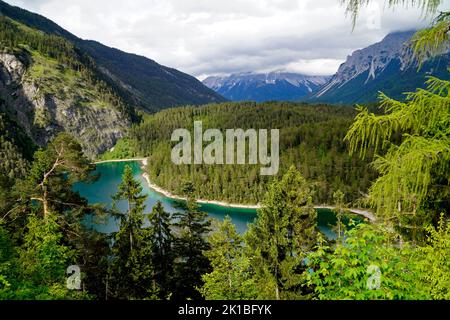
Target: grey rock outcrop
43 115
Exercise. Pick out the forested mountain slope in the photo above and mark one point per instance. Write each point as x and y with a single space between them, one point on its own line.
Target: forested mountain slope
311 137
139 81
48 86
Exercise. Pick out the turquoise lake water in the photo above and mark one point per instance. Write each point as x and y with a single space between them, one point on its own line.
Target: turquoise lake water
110 177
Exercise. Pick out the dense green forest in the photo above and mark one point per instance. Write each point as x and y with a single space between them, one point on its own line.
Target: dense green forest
311 138
16 149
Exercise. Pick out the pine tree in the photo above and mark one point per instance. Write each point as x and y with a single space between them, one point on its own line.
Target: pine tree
192 227
283 233
161 239
231 278
53 173
131 270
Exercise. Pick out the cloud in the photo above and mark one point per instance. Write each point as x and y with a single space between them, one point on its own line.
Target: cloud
207 37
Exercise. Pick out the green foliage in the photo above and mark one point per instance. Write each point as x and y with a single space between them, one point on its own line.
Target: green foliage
43 220
432 41
122 150
37 270
231 278
42 257
281 236
7 254
413 186
344 272
52 175
435 261
16 148
349 270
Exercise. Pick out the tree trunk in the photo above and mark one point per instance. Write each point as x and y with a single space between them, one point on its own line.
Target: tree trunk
131 241
45 202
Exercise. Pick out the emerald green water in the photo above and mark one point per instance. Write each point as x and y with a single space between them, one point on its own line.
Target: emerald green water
110 177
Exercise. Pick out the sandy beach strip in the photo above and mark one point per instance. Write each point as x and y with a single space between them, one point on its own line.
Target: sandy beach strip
143 160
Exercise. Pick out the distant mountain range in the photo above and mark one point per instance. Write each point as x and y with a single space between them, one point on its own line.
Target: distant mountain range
387 66
262 87
141 82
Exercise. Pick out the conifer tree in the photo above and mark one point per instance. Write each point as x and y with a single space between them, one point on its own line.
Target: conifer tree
192 227
131 269
231 278
283 233
53 173
161 239
43 257
414 181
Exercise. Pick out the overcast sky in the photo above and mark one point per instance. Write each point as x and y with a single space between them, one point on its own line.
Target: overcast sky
217 37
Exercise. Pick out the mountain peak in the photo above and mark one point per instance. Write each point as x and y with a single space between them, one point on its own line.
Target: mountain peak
378 67
260 87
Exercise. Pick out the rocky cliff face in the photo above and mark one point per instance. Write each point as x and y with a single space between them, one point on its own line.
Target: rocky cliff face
11 68
387 66
48 103
371 61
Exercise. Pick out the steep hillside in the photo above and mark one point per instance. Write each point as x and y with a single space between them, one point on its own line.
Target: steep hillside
281 86
139 81
47 86
387 66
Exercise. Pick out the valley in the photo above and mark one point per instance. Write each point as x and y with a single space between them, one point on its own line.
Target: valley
311 163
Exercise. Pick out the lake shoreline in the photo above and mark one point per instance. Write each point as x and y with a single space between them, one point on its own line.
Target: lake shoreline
143 160
168 194
364 213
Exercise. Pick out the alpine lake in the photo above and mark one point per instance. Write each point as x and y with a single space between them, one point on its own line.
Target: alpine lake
101 191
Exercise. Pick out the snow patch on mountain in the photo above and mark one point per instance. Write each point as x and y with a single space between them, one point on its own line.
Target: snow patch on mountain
277 85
